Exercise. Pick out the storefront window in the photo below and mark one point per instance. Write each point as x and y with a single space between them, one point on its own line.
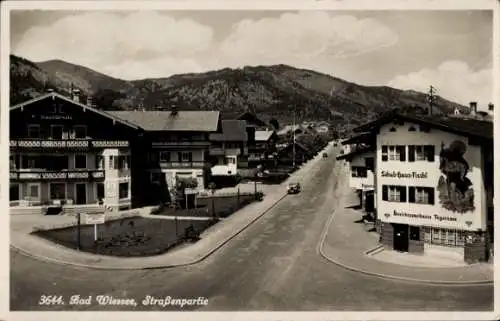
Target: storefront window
444 237
57 191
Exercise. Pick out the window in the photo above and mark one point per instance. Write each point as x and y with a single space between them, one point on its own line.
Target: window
444 237
359 171
14 192
153 157
123 190
99 162
394 193
80 132
30 162
411 129
33 191
123 162
231 160
56 131
393 153
156 178
370 163
414 233
57 191
80 161
33 131
164 156
13 162
56 162
186 156
421 195
100 191
421 153
113 162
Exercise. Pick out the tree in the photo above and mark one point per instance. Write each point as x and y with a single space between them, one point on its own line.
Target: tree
105 99
274 122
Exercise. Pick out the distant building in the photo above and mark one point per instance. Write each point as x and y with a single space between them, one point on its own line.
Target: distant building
229 147
265 150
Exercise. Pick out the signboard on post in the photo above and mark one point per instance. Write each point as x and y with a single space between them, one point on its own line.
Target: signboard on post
94 219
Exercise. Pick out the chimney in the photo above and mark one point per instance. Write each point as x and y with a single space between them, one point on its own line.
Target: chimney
473 108
490 106
76 95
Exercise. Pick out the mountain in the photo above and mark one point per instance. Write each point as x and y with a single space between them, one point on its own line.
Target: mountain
270 91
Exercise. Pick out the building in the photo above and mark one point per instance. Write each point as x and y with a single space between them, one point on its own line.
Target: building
361 159
176 145
63 152
265 150
229 148
69 155
286 154
434 183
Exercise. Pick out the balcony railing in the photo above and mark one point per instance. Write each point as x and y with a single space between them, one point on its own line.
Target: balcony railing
219 151
181 143
56 175
68 143
182 164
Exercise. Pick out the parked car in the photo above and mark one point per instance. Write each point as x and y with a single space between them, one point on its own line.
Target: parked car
293 188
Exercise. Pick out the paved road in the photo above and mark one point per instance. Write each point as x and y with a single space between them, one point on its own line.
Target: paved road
273 265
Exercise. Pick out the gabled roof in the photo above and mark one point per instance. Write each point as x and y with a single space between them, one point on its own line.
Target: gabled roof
248 116
263 135
356 152
232 130
203 121
367 137
55 95
468 127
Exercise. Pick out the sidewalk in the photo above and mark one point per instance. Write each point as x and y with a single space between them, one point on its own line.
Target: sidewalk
345 243
211 239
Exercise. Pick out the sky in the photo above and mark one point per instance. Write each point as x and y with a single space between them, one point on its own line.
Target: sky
451 50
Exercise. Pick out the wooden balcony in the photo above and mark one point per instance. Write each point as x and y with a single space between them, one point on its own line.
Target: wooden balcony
221 151
67 143
182 164
201 143
41 175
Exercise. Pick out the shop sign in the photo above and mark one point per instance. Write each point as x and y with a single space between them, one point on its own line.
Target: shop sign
398 174
435 217
367 187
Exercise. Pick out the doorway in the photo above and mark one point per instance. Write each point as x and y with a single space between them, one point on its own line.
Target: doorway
370 201
401 240
81 193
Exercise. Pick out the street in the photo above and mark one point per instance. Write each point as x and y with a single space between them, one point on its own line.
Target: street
272 265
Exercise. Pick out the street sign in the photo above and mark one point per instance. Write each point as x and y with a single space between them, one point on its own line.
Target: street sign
94 219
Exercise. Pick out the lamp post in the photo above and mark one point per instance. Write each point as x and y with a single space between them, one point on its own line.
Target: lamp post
211 186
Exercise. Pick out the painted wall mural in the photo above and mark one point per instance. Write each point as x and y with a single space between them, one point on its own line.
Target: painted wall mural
454 187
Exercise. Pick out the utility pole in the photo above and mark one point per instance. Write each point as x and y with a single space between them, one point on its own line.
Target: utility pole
431 98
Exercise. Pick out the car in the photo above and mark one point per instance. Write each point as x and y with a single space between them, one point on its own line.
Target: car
325 155
293 188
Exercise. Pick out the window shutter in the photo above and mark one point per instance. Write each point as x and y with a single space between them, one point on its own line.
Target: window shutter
385 193
431 196
402 190
402 153
429 151
411 194
411 153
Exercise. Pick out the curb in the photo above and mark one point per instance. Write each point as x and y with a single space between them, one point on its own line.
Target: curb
321 243
203 257
198 260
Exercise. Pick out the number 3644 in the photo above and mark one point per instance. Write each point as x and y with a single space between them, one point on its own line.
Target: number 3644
51 300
